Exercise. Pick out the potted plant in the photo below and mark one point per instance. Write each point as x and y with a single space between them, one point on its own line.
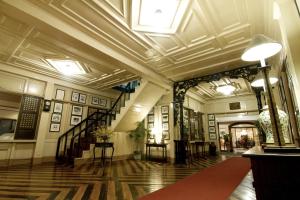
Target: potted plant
138 135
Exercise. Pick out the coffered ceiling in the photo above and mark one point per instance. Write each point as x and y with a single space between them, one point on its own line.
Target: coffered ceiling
210 37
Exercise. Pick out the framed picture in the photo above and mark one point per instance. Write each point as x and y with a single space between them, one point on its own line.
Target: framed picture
165 118
75 120
60 94
77 110
150 125
75 96
150 118
165 109
211 129
95 100
56 117
211 123
103 102
165 126
211 117
212 136
54 127
82 98
58 107
166 135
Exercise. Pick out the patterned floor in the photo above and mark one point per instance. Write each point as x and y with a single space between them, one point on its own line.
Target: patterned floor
121 180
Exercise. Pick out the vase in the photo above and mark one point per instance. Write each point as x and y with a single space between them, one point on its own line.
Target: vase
265 122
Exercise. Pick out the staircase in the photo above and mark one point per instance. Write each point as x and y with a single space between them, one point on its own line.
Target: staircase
71 144
122 117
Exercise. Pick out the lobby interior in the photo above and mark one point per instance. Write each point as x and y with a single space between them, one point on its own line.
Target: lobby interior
65 63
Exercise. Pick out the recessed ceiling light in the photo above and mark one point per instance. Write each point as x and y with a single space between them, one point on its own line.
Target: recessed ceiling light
160 16
225 89
67 67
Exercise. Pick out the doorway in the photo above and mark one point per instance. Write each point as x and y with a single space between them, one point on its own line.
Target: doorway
237 136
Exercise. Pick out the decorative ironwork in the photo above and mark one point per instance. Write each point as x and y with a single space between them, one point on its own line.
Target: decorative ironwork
181 87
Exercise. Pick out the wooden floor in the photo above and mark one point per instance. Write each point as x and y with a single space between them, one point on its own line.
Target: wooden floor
126 179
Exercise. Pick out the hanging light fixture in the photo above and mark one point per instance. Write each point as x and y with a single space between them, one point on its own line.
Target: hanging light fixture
225 89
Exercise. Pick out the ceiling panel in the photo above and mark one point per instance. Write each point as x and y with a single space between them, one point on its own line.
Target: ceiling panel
210 38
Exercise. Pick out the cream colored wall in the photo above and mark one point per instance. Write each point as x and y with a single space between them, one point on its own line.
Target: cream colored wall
20 82
290 30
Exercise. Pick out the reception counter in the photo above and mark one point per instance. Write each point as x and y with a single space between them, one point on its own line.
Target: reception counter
276 172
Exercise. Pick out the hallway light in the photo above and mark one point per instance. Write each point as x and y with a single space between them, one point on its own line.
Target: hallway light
260 48
259 80
225 89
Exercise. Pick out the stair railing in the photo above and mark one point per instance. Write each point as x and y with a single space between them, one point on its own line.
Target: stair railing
75 133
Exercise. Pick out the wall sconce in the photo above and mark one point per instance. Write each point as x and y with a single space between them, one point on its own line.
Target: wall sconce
260 48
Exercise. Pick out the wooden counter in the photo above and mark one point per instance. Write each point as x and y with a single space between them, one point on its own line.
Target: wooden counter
276 175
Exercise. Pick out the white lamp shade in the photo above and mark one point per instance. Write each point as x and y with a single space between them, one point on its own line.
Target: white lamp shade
261 47
259 80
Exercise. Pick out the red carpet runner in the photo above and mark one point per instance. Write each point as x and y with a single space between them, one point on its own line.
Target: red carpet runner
213 183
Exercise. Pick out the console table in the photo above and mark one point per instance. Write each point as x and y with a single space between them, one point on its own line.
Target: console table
156 145
104 146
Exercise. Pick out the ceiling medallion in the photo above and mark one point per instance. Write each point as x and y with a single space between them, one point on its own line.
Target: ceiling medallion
157 16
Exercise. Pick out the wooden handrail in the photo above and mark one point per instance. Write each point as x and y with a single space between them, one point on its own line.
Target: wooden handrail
90 117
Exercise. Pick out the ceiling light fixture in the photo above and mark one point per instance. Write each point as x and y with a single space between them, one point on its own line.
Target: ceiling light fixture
66 66
225 89
157 15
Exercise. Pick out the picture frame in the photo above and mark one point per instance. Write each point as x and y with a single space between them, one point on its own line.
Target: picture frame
211 117
60 94
56 117
212 129
150 118
54 127
82 98
211 123
95 101
58 107
103 102
165 126
166 134
75 120
212 136
75 96
165 109
150 125
165 118
77 110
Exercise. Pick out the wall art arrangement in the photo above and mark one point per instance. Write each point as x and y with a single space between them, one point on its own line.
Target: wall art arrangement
165 122
150 122
212 127
78 97
56 116
76 116
99 101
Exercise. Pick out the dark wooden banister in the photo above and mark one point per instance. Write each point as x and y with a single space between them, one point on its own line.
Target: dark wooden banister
90 117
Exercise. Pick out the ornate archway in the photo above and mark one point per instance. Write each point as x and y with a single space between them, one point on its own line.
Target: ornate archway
181 87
